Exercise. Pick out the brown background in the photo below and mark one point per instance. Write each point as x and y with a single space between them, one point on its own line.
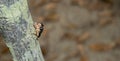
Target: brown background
76 30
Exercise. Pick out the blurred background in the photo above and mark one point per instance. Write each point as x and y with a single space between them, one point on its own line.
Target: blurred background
76 30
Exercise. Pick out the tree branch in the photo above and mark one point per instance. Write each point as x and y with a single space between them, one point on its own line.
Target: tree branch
16 27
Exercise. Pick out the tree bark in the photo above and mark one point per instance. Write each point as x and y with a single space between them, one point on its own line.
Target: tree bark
16 27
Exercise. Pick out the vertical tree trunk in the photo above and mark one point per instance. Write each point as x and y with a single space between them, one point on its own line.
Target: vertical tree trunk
16 26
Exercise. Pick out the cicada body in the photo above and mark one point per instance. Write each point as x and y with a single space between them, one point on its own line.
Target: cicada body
39 27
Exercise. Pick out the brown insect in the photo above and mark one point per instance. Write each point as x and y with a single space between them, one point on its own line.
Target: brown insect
39 27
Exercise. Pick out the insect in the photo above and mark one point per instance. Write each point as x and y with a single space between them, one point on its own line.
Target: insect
39 27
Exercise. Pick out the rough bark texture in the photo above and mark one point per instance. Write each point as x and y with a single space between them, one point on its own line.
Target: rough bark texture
16 27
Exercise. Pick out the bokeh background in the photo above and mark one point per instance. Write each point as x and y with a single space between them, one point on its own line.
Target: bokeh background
76 30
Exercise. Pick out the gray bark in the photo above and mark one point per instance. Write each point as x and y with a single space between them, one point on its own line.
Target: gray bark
16 27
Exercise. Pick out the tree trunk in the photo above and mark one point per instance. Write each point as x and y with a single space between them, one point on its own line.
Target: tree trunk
16 27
